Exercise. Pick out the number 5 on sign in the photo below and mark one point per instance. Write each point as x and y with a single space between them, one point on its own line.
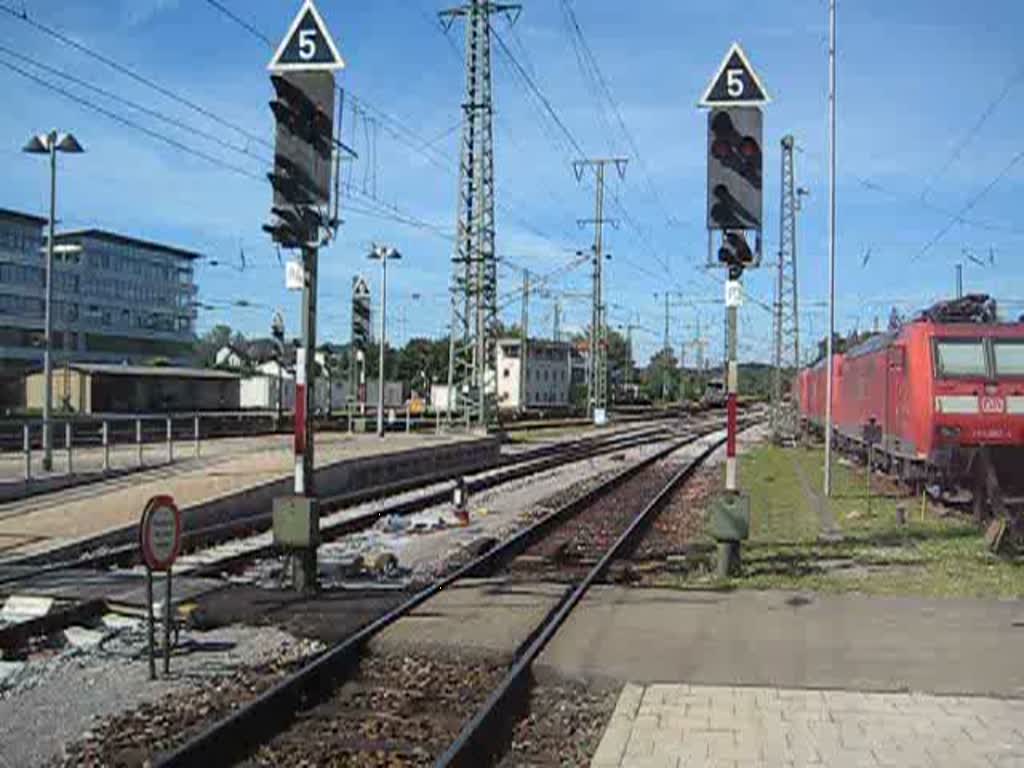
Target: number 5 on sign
307 44
734 82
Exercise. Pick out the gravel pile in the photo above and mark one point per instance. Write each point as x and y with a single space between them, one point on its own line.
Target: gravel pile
564 726
401 710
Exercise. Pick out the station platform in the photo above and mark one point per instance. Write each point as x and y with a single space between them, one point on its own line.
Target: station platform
226 485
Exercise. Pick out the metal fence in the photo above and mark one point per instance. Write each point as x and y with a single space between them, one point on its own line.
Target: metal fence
98 445
88 444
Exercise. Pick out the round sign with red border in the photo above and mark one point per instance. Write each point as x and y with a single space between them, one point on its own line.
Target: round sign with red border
160 533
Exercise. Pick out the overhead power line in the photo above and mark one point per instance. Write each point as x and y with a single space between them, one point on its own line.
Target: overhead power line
131 123
252 29
988 226
155 114
56 34
602 83
975 129
575 146
970 204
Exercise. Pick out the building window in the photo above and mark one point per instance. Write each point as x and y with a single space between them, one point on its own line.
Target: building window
23 306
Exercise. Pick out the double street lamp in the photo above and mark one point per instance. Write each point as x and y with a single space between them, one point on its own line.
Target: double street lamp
50 144
382 253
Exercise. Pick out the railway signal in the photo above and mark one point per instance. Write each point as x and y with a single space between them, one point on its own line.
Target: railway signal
735 165
302 75
303 148
734 207
361 318
735 254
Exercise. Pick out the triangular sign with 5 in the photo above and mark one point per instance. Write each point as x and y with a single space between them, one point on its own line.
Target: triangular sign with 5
308 46
736 83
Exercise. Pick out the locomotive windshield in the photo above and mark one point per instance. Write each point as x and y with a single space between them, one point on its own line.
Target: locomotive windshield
960 358
1009 357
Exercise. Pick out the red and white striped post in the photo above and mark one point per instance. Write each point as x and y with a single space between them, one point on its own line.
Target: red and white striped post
300 422
732 388
304 559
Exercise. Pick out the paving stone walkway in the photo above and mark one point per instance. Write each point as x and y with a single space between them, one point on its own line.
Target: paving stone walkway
680 726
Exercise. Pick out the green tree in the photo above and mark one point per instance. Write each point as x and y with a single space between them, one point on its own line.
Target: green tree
422 362
661 377
208 344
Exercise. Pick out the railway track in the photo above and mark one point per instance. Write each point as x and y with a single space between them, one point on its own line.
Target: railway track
232 544
460 715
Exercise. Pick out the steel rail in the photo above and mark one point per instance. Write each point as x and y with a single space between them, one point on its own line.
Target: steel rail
484 739
509 469
238 734
501 475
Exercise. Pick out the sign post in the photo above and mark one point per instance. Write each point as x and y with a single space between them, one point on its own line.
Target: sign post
160 541
734 97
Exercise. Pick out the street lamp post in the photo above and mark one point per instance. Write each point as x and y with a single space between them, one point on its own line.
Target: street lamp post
383 254
50 144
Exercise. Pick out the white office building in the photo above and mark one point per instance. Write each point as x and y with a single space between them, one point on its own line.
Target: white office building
549 374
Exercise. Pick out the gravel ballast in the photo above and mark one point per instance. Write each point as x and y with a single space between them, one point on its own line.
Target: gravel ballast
69 696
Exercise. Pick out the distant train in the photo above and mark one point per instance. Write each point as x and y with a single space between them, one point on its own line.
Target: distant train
940 398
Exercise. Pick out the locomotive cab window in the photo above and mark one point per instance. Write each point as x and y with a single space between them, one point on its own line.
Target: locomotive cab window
1009 358
960 358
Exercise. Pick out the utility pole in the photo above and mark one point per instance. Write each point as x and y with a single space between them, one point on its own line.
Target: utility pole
524 323
667 339
667 345
831 242
474 283
50 144
959 281
700 342
787 309
383 254
598 333
629 326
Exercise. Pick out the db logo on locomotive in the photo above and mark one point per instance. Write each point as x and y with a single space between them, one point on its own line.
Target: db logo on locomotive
992 404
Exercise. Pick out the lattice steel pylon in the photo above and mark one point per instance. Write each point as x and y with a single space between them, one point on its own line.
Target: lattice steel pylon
472 383
787 309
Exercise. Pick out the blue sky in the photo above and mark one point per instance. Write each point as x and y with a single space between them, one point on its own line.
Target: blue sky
915 78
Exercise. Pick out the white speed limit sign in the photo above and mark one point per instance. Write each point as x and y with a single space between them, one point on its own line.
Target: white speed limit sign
160 533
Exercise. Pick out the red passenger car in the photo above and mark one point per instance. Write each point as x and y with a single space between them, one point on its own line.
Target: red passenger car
942 399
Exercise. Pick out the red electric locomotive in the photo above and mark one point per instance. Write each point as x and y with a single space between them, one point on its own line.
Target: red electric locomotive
941 398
